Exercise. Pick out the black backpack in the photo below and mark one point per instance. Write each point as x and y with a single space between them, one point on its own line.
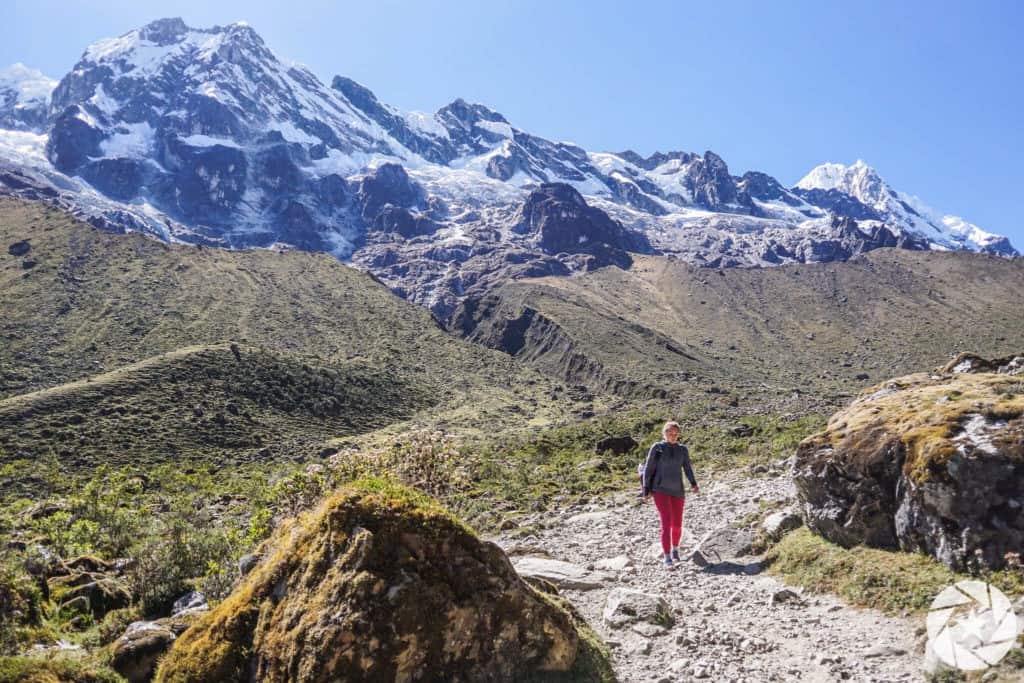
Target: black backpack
642 467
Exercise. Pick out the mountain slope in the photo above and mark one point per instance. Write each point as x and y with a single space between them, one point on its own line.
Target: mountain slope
207 136
665 326
215 402
77 301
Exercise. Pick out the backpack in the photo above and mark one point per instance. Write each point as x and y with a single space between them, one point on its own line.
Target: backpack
642 467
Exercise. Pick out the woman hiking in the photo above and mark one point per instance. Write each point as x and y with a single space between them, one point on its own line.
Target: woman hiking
663 478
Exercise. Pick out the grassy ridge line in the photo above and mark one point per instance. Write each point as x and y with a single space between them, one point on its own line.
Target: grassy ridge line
210 402
812 327
124 377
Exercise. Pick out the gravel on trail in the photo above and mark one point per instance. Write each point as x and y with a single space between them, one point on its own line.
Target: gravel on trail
727 621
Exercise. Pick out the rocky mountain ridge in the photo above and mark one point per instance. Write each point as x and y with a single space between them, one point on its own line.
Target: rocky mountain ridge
207 136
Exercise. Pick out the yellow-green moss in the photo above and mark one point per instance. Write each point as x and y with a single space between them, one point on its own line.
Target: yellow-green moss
57 670
924 412
327 560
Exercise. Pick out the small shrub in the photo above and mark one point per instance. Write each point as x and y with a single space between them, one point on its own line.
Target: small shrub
429 461
180 558
1014 658
20 605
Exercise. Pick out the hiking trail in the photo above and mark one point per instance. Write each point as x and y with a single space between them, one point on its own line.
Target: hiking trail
729 621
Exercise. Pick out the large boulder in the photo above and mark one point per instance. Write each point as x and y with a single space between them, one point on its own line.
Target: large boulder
379 583
927 462
725 543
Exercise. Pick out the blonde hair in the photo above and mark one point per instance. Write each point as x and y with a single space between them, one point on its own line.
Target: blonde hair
669 425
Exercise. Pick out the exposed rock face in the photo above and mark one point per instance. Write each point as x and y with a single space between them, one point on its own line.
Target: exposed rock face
412 246
86 584
561 574
627 606
932 463
777 524
725 543
559 220
619 445
379 584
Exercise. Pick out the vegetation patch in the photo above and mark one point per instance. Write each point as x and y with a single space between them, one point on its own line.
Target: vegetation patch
66 669
222 403
891 581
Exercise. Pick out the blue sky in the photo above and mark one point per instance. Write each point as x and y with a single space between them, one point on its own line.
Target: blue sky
929 93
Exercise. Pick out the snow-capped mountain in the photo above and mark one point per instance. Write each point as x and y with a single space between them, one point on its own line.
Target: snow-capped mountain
24 98
898 209
206 135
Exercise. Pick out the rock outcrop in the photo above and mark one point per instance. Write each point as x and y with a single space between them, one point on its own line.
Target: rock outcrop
927 462
136 653
379 584
559 220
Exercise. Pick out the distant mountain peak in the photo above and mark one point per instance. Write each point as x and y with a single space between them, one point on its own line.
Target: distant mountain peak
164 31
833 176
206 135
29 84
24 97
863 183
469 112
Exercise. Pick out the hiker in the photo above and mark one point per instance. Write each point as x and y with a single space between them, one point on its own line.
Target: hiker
663 479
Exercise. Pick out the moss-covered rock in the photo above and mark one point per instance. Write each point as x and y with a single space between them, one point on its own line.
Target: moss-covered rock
929 462
379 583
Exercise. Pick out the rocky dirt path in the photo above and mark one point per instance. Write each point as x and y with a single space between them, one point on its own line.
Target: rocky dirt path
727 626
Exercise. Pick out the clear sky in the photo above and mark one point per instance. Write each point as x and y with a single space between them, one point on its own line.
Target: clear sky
930 93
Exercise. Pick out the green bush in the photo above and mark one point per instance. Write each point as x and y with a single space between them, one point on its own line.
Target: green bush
183 555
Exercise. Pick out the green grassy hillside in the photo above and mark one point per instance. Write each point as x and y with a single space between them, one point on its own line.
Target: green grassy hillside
115 351
221 402
81 302
665 326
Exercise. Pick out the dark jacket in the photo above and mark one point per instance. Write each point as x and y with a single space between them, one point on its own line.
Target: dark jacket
663 472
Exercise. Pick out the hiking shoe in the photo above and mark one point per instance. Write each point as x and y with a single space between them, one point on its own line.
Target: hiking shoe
675 554
668 563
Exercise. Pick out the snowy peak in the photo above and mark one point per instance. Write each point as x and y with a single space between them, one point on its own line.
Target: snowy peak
841 188
220 82
857 180
29 85
206 135
142 45
211 128
24 97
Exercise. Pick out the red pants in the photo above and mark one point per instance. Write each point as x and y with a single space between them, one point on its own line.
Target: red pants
670 509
